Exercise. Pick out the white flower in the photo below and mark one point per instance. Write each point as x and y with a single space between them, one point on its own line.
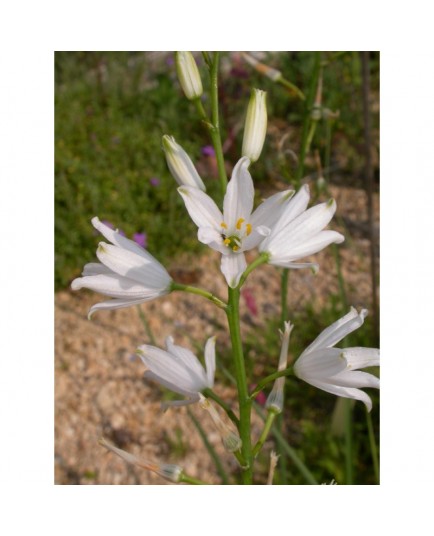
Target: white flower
335 370
179 369
188 75
255 127
127 273
237 229
299 232
180 165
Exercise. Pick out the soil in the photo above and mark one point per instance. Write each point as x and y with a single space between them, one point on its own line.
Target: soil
100 390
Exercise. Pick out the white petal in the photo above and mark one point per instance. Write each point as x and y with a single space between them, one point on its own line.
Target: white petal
188 360
270 210
178 403
311 246
148 272
202 209
212 237
118 240
238 201
283 240
255 237
294 265
232 267
118 303
96 268
294 208
320 364
345 392
210 360
169 385
338 330
114 286
358 358
356 378
166 367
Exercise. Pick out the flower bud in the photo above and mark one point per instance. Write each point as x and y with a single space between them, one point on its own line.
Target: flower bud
255 127
180 165
275 398
188 75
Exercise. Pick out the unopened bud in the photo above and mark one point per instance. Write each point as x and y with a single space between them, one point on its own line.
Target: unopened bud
180 165
169 471
188 75
255 127
275 398
231 440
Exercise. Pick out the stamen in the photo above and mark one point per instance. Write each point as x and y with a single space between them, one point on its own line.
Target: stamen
248 228
239 223
226 241
223 224
235 248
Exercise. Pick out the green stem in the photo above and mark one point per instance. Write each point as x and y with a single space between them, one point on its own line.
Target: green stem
199 292
348 442
190 480
283 444
244 400
266 430
284 296
215 131
268 379
373 445
209 393
210 448
262 259
146 326
292 87
307 115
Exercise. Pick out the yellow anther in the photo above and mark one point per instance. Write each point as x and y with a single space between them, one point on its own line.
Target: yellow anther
239 223
223 224
235 248
248 228
226 241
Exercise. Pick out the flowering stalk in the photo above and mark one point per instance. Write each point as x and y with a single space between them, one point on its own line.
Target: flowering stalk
244 401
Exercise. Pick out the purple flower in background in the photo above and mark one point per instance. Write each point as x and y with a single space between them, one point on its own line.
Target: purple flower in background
250 301
208 150
155 181
141 239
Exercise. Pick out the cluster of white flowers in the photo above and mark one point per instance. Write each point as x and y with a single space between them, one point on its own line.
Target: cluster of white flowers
282 228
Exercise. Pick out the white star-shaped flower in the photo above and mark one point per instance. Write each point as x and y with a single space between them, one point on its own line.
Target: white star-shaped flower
237 229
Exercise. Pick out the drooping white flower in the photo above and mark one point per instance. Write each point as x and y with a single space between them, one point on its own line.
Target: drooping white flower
127 272
237 229
335 370
188 75
180 165
275 398
255 127
179 370
299 232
